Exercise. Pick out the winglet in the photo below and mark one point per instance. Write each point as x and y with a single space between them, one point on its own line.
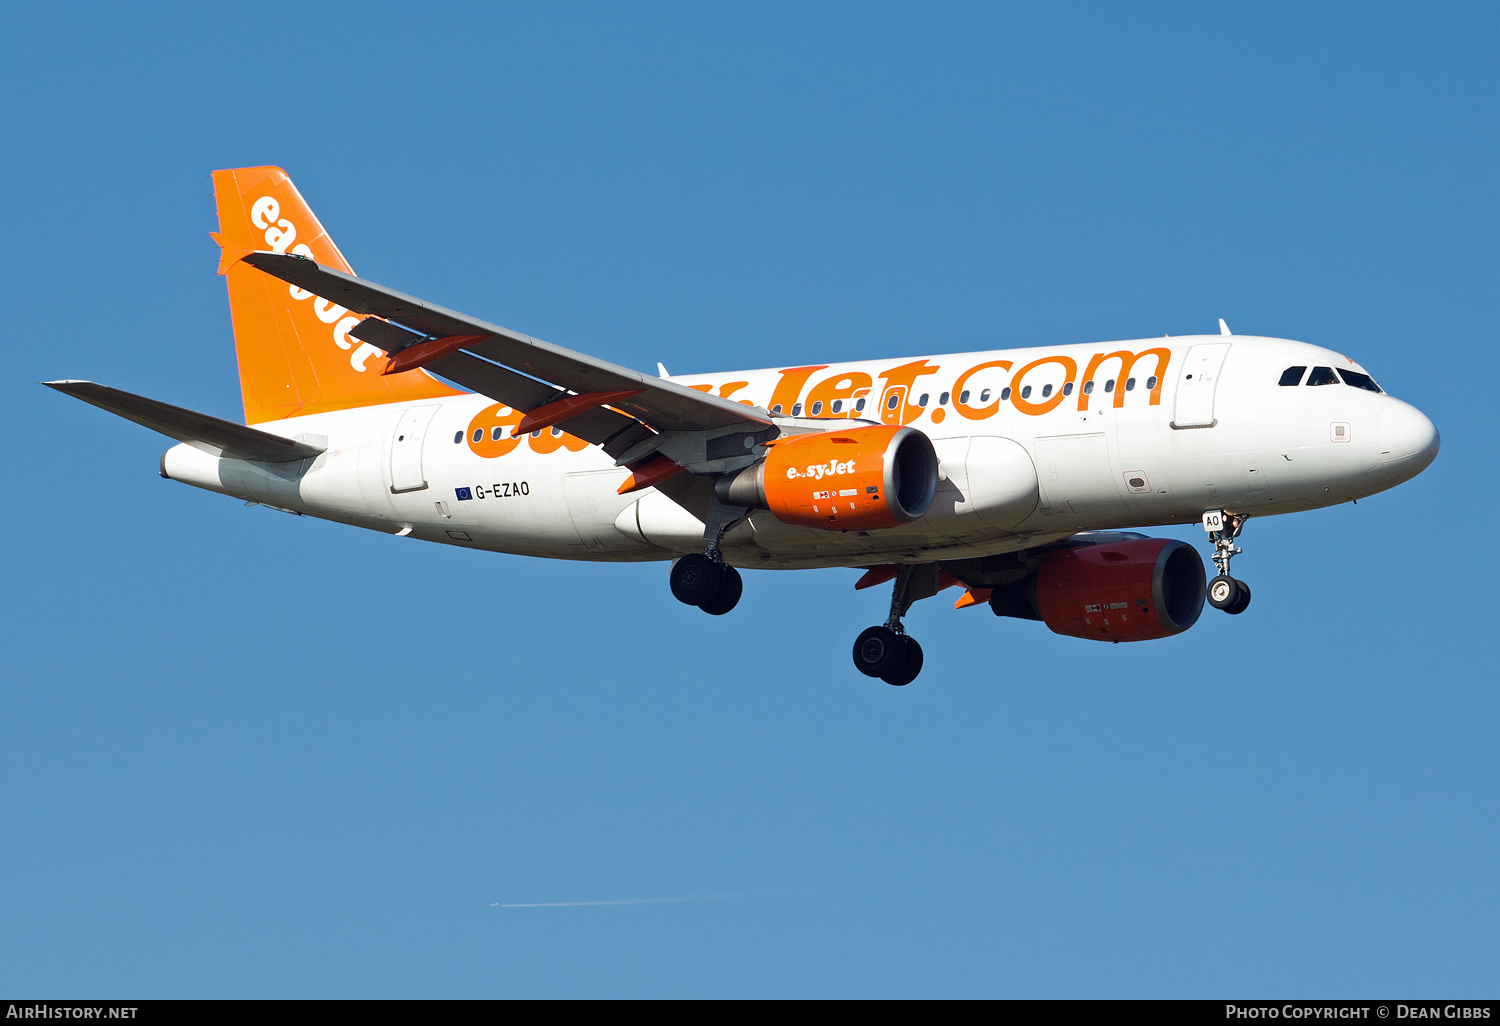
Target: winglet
661 370
1224 328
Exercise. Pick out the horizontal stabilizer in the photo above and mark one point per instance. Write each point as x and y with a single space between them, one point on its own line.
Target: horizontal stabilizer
214 436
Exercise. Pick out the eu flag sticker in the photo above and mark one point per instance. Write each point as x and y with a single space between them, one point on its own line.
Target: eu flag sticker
463 493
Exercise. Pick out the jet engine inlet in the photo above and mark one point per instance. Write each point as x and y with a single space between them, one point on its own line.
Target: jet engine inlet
1134 590
863 479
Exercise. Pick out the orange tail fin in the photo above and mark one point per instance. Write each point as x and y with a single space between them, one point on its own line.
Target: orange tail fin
294 349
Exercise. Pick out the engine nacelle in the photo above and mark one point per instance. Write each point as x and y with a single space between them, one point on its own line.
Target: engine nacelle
862 479
1132 590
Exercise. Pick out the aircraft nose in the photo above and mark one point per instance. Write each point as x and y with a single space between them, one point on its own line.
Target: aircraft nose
1408 441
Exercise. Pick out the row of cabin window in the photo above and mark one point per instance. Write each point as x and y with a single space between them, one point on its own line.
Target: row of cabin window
894 400
1327 376
496 433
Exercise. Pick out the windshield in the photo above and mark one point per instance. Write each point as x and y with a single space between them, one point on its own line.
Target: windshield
1359 380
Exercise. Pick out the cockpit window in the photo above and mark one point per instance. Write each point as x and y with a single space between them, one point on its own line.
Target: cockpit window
1359 380
1322 376
1292 376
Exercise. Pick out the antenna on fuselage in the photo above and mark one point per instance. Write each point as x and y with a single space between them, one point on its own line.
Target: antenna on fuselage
1224 328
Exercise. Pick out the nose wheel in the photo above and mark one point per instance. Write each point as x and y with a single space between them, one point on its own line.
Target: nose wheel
885 651
1224 591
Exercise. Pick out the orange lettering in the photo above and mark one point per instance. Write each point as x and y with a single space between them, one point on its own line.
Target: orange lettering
963 379
549 441
489 431
1127 364
899 381
840 386
1047 405
790 386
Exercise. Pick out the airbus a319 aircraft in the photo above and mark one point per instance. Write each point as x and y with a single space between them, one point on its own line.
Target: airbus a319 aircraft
1011 474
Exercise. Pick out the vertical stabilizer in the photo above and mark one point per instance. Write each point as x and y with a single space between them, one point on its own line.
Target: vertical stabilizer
295 353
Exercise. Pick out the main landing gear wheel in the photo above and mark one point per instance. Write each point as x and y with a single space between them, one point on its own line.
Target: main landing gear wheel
911 665
731 586
1228 594
886 651
879 651
713 587
696 578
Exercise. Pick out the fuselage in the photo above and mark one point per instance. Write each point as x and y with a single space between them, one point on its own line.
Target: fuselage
1034 444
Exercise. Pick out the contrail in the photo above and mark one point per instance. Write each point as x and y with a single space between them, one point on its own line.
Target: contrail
617 901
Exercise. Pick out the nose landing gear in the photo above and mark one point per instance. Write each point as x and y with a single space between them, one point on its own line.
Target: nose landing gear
1224 592
886 651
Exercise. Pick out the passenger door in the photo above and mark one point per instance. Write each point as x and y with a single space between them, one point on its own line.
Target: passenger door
406 449
1197 380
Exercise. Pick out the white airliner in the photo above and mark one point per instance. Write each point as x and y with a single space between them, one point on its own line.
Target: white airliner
1009 473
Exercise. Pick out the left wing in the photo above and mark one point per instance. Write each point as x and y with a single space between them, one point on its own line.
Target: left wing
527 373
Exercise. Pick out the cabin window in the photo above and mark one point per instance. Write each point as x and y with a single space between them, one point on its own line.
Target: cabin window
1292 376
1130 384
557 432
796 409
984 396
495 434
1109 386
1322 376
922 400
479 434
776 409
1359 380
1026 392
893 401
1151 382
537 433
963 397
943 399
1046 391
838 404
1005 392
859 406
1088 388
1068 388
458 437
817 408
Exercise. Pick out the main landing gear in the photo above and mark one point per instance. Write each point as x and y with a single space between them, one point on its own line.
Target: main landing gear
1224 592
712 585
886 651
704 579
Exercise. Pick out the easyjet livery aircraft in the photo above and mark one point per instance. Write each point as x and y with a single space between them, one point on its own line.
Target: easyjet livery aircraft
1010 474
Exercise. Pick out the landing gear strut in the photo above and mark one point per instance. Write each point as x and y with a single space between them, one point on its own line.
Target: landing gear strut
705 580
1224 592
886 651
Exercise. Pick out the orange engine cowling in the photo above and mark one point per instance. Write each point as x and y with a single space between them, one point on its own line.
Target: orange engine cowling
1127 591
857 480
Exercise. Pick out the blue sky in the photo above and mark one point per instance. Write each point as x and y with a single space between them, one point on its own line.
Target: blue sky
247 754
